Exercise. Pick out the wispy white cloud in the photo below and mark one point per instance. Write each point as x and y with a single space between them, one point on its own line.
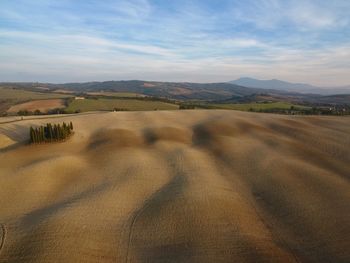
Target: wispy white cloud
82 42
302 14
324 66
132 8
302 40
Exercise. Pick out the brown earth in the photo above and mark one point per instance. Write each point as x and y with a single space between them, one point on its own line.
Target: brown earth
64 91
42 105
148 85
187 186
180 91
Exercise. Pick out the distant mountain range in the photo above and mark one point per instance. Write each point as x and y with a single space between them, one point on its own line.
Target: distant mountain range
291 87
242 90
172 90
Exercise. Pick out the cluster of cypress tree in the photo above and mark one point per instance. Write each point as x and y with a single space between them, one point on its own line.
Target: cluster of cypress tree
50 133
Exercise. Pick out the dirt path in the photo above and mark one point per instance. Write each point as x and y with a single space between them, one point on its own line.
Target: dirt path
164 189
49 117
2 236
133 220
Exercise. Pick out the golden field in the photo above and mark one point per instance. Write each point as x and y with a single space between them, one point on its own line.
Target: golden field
177 186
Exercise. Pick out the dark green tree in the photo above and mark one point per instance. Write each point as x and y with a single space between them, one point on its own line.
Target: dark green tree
42 134
50 133
55 132
32 135
37 135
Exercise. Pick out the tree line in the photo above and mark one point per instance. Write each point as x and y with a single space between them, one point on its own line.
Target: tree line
38 112
324 110
51 133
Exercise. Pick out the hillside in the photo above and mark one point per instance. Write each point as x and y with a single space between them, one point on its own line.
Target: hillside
146 95
184 186
16 94
290 87
173 90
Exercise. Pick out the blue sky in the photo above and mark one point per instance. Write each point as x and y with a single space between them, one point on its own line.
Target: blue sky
199 41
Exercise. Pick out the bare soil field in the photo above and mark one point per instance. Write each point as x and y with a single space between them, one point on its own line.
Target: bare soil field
178 186
42 105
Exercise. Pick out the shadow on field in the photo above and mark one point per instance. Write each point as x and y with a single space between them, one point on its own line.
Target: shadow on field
152 135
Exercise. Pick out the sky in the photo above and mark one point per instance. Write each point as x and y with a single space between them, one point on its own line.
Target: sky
305 41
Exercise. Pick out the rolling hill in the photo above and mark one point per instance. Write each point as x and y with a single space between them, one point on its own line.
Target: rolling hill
185 186
173 92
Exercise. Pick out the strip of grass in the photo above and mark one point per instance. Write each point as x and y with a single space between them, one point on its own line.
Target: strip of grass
117 94
110 104
258 106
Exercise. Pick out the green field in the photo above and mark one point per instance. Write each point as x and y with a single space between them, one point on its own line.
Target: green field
257 106
110 104
25 95
117 94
